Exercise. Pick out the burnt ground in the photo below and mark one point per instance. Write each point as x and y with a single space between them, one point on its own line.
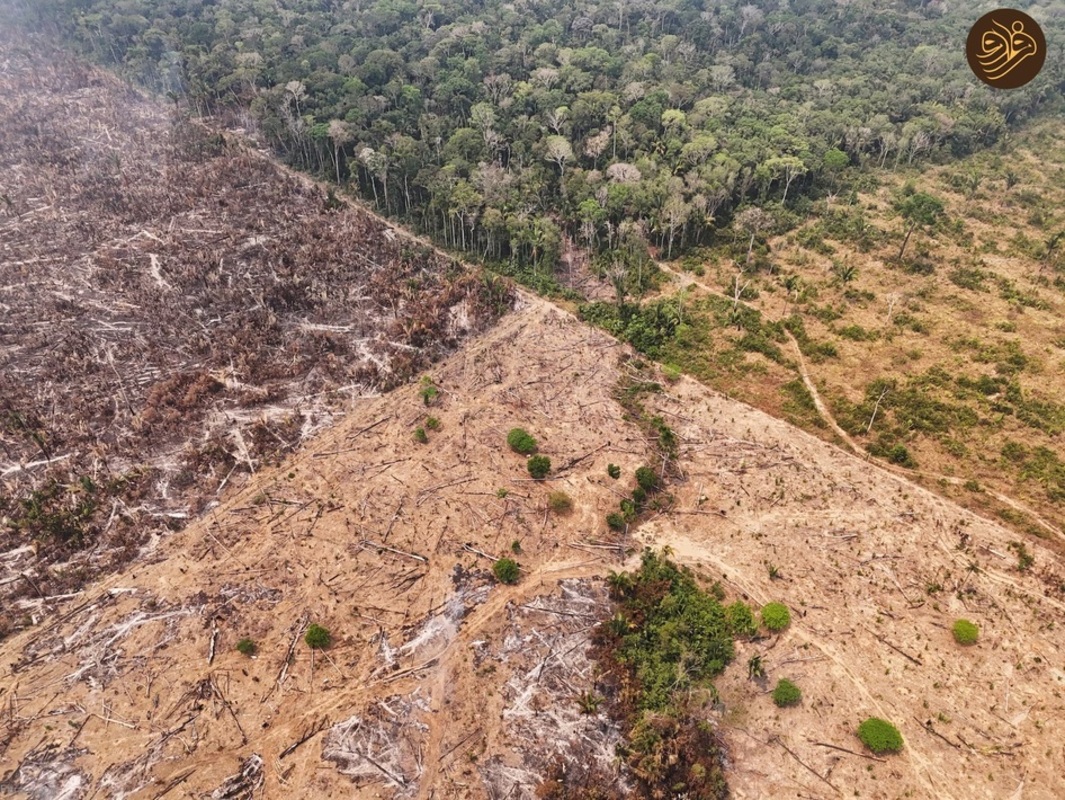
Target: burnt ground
175 310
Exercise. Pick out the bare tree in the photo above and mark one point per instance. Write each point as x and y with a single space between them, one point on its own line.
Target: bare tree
559 150
752 221
341 134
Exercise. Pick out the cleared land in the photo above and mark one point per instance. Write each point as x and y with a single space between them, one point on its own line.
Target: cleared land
447 673
175 311
442 683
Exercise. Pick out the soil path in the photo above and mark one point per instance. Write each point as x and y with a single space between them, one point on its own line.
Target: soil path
826 415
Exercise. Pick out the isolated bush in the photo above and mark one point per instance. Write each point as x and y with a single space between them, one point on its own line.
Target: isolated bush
646 479
671 372
786 693
539 466
428 390
247 647
776 616
965 632
613 470
432 423
560 502
880 736
317 637
615 521
421 436
521 442
506 570
740 619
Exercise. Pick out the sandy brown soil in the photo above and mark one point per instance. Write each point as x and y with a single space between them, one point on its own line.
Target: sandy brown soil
428 688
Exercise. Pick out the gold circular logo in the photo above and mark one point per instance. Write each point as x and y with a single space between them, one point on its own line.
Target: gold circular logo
1006 48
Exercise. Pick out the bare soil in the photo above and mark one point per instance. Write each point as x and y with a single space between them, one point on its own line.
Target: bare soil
438 675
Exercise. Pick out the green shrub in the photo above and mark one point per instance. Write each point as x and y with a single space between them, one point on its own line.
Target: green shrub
317 637
560 502
615 521
671 372
647 480
506 570
247 647
776 616
639 497
786 694
428 390
965 632
539 466
589 702
521 442
613 470
740 619
421 436
880 736
432 423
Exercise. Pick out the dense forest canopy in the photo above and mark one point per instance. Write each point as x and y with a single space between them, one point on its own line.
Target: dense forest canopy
506 128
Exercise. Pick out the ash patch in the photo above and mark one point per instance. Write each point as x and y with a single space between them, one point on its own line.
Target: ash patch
48 773
431 637
244 784
384 745
263 596
545 648
464 579
101 657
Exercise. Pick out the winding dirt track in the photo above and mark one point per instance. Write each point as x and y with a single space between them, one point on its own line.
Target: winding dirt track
826 414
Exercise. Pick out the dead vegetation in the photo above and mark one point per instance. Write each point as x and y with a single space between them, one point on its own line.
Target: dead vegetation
177 311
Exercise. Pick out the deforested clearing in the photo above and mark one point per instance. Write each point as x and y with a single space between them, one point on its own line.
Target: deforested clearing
437 679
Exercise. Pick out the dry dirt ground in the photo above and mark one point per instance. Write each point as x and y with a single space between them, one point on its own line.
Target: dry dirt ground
441 683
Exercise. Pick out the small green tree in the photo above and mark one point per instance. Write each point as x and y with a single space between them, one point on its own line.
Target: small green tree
429 391
421 436
247 647
613 470
506 570
776 616
880 736
919 210
965 632
317 637
539 467
786 693
521 442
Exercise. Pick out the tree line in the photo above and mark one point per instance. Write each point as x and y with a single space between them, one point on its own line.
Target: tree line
512 130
